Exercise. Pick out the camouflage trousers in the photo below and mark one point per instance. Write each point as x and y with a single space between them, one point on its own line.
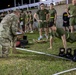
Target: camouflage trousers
4 47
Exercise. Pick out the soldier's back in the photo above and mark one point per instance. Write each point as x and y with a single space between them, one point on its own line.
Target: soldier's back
6 23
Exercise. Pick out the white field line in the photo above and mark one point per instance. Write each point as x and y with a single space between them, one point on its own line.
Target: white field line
65 71
41 53
48 55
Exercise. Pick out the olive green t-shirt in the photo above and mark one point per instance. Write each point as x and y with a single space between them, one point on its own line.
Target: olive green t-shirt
58 33
52 13
31 16
22 18
27 18
72 10
70 37
42 14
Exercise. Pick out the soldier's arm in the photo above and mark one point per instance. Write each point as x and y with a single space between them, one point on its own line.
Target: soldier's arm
36 16
69 15
47 17
55 15
63 17
14 26
29 17
69 7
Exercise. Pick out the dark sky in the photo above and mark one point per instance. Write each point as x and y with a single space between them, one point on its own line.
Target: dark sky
4 3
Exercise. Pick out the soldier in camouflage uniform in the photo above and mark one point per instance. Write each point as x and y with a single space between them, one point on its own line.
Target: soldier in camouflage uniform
52 15
22 21
64 35
8 29
26 22
31 21
42 17
58 32
72 10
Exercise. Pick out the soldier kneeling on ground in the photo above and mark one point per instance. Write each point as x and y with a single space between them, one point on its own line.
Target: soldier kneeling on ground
8 29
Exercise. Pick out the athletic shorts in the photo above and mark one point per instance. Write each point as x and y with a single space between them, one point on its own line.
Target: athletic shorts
51 24
43 25
31 22
66 24
27 24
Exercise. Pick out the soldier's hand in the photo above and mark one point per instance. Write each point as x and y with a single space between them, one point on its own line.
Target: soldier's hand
65 21
45 21
39 20
70 16
21 31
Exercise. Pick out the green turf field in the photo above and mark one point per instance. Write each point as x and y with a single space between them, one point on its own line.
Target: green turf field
27 63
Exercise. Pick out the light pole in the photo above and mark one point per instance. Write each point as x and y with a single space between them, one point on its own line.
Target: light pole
21 2
52 1
34 1
14 3
18 5
29 1
67 1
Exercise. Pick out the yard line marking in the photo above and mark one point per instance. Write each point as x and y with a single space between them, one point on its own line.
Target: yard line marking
65 71
42 53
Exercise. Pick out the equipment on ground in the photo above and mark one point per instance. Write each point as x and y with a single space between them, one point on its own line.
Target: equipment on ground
40 41
69 53
74 56
22 42
62 52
